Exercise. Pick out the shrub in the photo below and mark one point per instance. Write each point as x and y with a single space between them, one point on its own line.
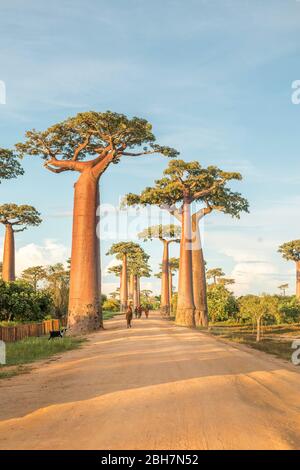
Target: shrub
222 305
111 305
20 302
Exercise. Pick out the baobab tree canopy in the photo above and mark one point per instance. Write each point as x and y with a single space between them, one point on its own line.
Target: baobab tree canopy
215 273
290 250
19 216
207 185
138 265
124 248
10 166
167 232
105 136
116 270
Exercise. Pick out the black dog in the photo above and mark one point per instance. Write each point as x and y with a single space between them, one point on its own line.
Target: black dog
57 333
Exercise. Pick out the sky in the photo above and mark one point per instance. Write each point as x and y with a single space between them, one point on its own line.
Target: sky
214 77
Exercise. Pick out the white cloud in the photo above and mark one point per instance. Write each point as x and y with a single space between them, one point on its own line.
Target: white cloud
49 252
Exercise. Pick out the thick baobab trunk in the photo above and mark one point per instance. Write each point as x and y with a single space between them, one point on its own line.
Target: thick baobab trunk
138 291
135 292
131 286
298 279
185 307
170 289
199 278
97 241
84 299
8 268
124 286
165 293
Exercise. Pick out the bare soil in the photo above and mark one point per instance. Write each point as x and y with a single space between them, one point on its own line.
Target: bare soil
155 386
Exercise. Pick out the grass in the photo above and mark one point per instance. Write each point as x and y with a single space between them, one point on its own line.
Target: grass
108 315
33 349
276 340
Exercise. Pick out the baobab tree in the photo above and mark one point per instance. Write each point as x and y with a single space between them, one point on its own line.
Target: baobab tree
166 234
283 288
10 166
15 219
117 271
185 183
173 266
33 275
138 267
216 274
87 144
291 252
124 250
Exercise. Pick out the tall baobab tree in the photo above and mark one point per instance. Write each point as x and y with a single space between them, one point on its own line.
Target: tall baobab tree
138 267
15 219
291 252
10 166
185 183
123 250
166 234
117 271
173 266
87 144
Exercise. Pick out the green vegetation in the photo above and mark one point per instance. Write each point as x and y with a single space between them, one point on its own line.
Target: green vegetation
107 315
33 349
276 339
221 303
10 166
20 302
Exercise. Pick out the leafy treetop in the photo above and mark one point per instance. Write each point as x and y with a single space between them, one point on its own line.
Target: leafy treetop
174 264
124 248
163 232
214 274
116 270
98 138
9 165
189 182
290 250
19 216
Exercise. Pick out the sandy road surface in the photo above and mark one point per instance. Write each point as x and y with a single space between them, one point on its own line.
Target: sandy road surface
153 387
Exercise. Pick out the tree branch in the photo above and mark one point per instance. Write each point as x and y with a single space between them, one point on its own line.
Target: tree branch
81 147
173 210
64 165
102 162
208 191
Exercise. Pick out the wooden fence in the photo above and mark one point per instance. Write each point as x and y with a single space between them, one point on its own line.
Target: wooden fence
15 333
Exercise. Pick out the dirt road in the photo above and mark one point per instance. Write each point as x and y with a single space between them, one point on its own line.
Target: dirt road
155 386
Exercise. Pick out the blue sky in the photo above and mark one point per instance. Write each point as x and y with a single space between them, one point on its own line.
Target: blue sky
214 78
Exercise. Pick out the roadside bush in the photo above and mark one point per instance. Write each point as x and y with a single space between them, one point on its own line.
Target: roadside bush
20 302
222 305
289 310
111 305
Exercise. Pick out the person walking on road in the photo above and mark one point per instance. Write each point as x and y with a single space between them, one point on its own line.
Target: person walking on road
129 316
